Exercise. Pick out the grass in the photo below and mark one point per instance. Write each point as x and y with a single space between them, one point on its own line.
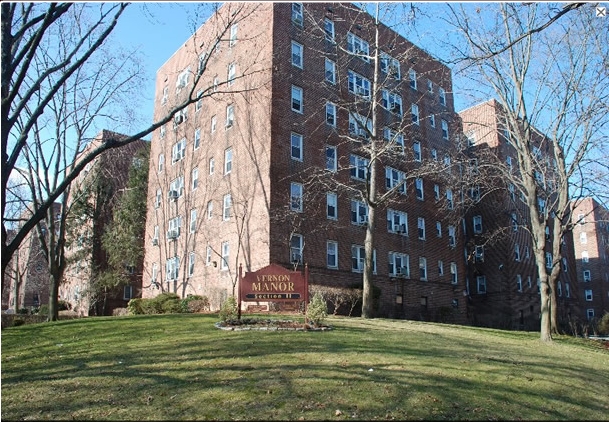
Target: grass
180 367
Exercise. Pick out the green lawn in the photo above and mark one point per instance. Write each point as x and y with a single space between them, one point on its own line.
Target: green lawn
168 367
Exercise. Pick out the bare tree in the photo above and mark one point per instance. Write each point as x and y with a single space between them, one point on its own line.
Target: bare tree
553 95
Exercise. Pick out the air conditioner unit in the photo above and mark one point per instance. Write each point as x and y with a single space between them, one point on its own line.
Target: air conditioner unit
403 271
173 233
396 108
397 228
360 91
178 118
296 257
173 194
155 241
363 219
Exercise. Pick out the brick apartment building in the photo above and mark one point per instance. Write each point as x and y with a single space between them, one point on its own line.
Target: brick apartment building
501 266
591 241
228 179
28 273
111 170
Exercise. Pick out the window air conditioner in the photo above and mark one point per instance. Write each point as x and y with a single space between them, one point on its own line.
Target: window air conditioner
296 257
363 219
155 241
173 194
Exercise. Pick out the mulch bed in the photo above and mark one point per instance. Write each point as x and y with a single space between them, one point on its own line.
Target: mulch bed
246 324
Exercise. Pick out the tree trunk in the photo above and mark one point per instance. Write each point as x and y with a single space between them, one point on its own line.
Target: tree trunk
368 298
53 298
546 304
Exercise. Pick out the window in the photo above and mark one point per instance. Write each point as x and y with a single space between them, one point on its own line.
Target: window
213 124
332 254
395 137
418 183
397 222
414 111
390 66
421 228
559 288
176 188
590 314
359 167
567 290
210 209
541 204
416 149
178 150
232 73
358 85
212 166
588 295
432 120
527 252
331 114
155 236
199 103
230 117
296 246
512 191
297 17
157 199
226 207
452 239
296 197
163 131
399 265
332 206
331 158
423 268
233 35
391 101
412 76
172 268
161 162
191 264
587 275
359 125
330 74
165 94
127 292
215 84
359 212
440 268
197 141
516 252
225 255
585 257
296 146
208 255
445 129
195 178
174 227
297 105
434 154
329 29
479 253
449 199
297 52
429 86
438 229
508 161
519 282
395 179
442 96
193 220
581 219
583 238
358 258
228 160
453 273
481 284
358 47
182 80
514 222
477 224
436 191
549 260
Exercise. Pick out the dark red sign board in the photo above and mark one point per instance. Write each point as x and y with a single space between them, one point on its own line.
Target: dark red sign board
273 283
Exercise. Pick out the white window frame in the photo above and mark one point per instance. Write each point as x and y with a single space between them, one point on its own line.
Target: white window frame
297 55
358 47
477 224
481 284
358 254
231 73
359 213
358 84
390 66
395 179
391 101
297 99
399 265
432 120
419 189
587 276
230 116
332 252
227 203
158 198
296 199
516 252
208 255
452 238
297 14
442 96
421 228
172 268
397 222
191 264
331 161
228 160
412 79
414 112
296 248
331 114
358 167
332 206
193 220
225 248
330 71
588 295
445 134
210 209
359 126
161 163
296 141
416 150
329 29
453 273
178 151
194 179
422 268
233 35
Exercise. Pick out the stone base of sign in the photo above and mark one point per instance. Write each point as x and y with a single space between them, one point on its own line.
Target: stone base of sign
269 325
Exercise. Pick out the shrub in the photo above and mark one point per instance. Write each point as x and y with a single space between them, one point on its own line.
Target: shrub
120 312
18 321
23 311
198 305
134 307
171 306
63 305
43 310
603 324
317 310
228 310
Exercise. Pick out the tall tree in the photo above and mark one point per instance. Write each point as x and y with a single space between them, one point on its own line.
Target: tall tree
553 94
